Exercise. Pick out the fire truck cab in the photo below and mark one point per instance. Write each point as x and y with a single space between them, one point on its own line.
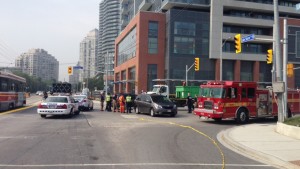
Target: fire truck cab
240 100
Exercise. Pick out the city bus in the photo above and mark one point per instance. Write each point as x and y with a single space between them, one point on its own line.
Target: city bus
12 91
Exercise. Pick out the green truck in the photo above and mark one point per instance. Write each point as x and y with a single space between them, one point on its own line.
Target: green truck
179 98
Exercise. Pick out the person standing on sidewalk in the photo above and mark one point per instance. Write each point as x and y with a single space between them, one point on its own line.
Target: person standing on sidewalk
101 102
108 102
115 102
189 102
122 103
128 103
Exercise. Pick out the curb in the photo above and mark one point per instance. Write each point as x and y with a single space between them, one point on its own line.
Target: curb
288 130
224 138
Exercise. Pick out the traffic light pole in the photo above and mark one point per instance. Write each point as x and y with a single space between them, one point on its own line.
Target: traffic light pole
221 56
186 73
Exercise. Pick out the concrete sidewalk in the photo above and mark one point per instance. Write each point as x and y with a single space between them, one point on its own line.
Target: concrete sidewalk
262 143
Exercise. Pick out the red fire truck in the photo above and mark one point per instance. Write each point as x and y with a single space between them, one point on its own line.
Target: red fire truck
241 100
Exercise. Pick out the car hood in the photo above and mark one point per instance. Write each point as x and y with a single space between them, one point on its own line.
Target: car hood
166 104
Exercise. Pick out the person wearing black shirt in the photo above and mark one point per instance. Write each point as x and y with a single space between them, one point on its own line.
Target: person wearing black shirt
189 102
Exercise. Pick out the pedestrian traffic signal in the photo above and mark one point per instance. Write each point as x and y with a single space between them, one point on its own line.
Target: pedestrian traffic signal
270 56
290 69
238 43
70 70
197 66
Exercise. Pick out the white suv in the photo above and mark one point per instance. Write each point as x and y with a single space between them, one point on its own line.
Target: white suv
58 105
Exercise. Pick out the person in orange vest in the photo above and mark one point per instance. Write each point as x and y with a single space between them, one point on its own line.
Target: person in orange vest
122 103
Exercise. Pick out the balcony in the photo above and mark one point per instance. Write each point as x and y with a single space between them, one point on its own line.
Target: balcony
195 4
145 5
124 10
124 23
124 1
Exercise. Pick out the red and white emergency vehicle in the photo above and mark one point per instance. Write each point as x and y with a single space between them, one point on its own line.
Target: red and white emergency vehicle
241 100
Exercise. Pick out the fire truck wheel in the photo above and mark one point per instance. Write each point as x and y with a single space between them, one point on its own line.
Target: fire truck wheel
242 116
137 111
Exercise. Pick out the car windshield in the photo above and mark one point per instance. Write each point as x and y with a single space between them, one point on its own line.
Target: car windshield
57 99
155 89
212 92
78 98
160 99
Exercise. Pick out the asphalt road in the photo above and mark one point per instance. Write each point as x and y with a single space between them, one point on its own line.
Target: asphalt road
107 140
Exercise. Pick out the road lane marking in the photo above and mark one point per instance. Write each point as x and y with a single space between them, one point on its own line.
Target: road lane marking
133 164
195 130
127 116
16 110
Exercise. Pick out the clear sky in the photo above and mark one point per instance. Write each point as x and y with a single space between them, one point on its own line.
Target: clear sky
57 26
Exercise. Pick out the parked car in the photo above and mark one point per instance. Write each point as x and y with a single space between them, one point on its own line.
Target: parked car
155 104
58 105
40 93
84 102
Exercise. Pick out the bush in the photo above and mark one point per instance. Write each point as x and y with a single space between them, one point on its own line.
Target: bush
294 121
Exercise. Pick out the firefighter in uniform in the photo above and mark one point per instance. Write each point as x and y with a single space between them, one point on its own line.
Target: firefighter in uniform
108 102
121 103
115 102
128 104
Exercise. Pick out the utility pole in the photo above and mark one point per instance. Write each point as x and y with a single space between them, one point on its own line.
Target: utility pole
285 61
276 37
106 72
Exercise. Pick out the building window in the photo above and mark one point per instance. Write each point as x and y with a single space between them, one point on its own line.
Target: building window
246 71
127 47
152 37
184 45
185 28
151 74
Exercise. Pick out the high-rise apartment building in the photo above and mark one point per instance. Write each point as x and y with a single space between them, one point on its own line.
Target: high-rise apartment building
87 57
38 63
109 26
206 29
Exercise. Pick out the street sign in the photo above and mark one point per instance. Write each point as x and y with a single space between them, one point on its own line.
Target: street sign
298 6
248 38
77 67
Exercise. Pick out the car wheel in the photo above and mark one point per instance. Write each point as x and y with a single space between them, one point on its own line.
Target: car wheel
43 116
173 115
77 112
71 113
137 110
152 113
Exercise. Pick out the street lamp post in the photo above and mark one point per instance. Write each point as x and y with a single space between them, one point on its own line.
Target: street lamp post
221 55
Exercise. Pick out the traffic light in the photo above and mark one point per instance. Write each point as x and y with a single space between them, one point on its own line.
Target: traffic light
238 43
197 66
70 70
290 69
270 56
